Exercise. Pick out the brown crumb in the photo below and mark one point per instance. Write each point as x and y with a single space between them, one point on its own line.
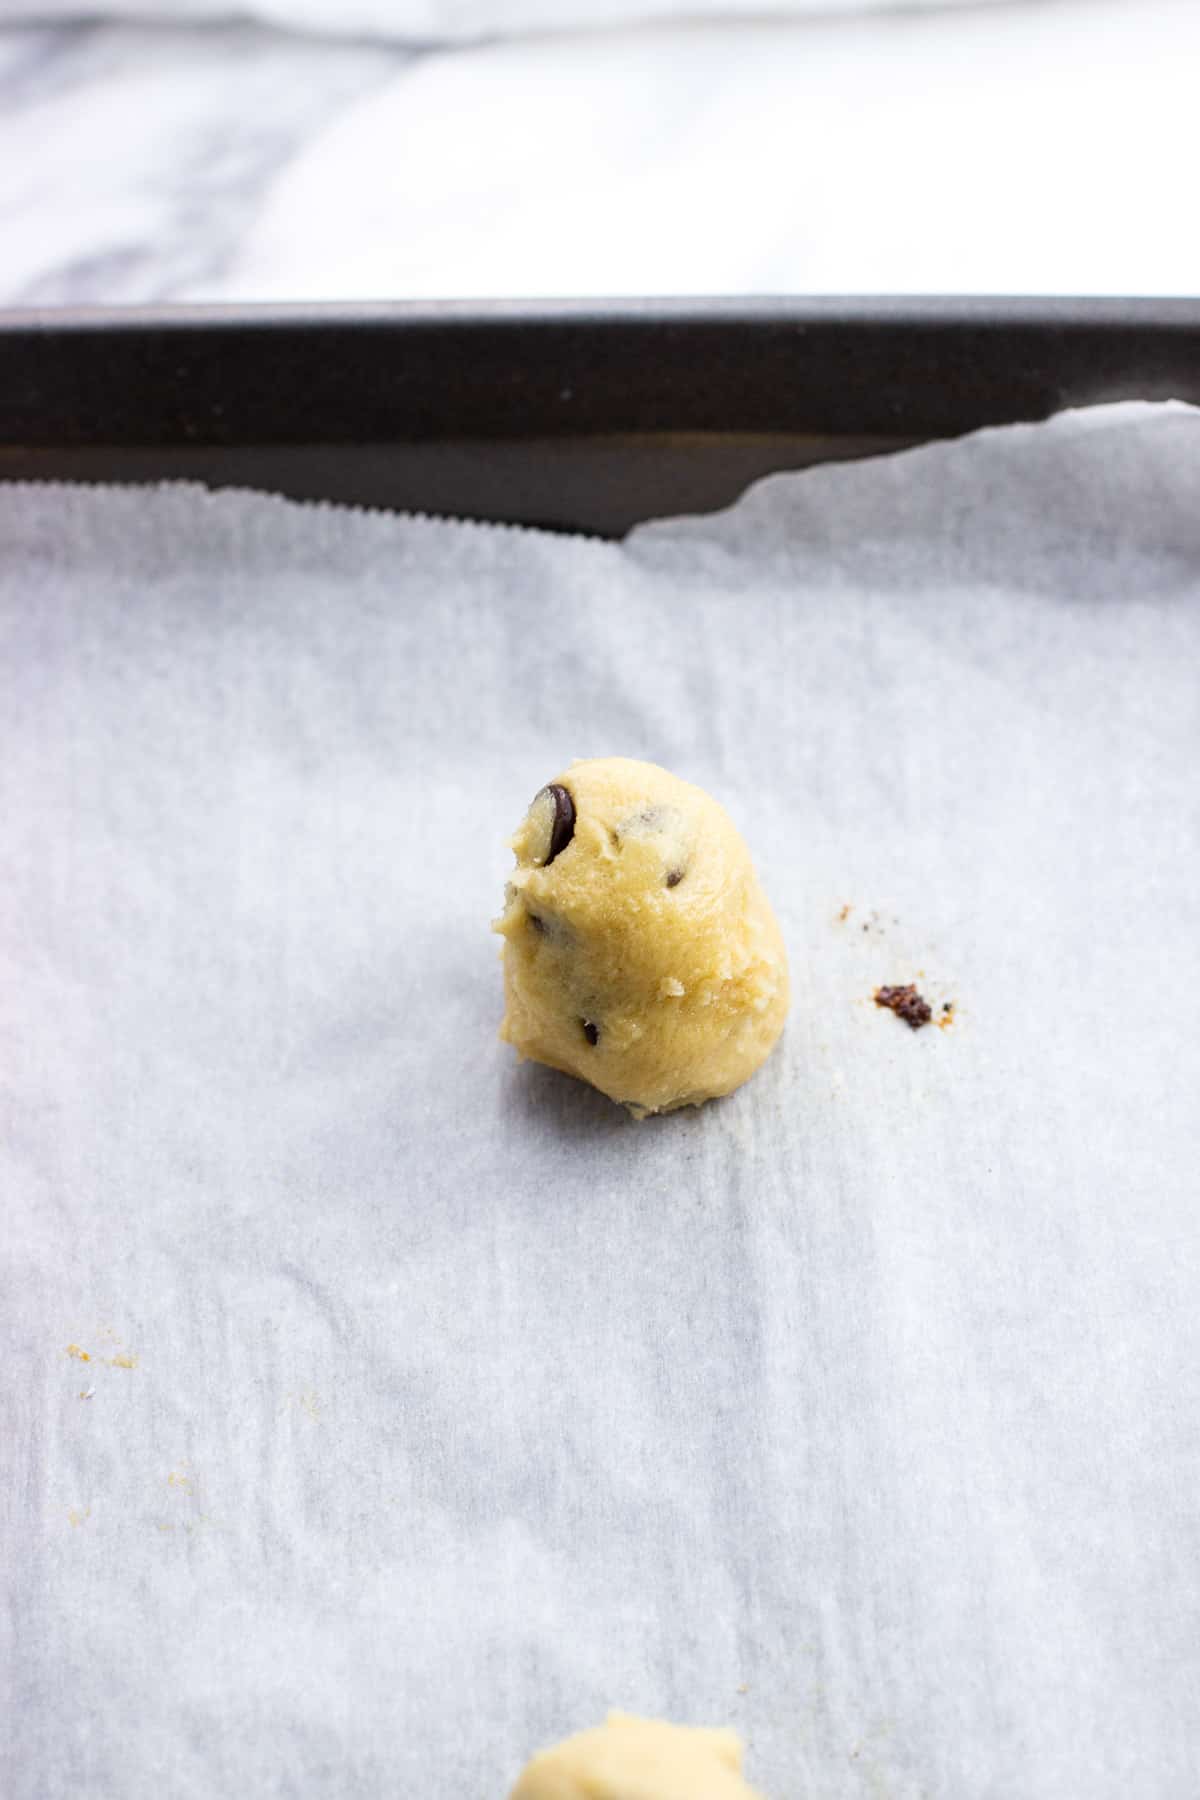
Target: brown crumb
947 1017
844 914
906 1003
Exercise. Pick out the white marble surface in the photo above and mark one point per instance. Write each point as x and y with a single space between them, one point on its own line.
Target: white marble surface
134 159
1040 147
425 22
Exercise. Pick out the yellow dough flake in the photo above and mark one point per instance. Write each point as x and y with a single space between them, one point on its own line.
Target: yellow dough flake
638 1759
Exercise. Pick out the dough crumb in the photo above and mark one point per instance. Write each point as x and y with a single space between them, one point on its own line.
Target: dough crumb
906 1003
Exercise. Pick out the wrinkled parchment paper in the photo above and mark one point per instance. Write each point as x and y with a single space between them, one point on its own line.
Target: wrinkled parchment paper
376 1409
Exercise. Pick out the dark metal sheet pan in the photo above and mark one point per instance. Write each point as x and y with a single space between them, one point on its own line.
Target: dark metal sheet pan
585 415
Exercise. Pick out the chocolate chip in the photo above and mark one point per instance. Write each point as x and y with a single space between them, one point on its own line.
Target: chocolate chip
906 1003
591 1032
675 877
563 828
539 925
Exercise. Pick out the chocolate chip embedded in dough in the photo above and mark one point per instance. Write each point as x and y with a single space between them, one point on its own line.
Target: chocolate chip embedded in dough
591 1032
675 877
564 821
552 815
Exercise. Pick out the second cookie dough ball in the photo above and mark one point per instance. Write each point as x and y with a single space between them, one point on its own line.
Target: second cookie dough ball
638 1759
640 952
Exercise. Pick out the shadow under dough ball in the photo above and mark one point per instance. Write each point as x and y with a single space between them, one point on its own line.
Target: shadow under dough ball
640 952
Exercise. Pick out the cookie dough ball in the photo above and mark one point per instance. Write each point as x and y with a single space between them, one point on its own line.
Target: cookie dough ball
638 1759
640 952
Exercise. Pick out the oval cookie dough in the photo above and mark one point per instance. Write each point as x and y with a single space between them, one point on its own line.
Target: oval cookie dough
638 1759
640 952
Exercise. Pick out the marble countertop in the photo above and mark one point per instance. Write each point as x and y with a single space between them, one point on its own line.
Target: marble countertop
1029 148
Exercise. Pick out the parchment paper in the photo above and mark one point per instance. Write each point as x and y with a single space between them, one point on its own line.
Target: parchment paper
377 1409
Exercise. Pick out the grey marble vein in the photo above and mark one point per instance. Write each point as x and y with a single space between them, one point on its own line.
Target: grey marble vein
132 159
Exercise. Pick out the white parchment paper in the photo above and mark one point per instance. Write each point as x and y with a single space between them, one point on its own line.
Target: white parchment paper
376 1409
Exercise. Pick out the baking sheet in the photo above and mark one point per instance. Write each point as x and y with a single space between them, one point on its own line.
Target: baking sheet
376 1409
